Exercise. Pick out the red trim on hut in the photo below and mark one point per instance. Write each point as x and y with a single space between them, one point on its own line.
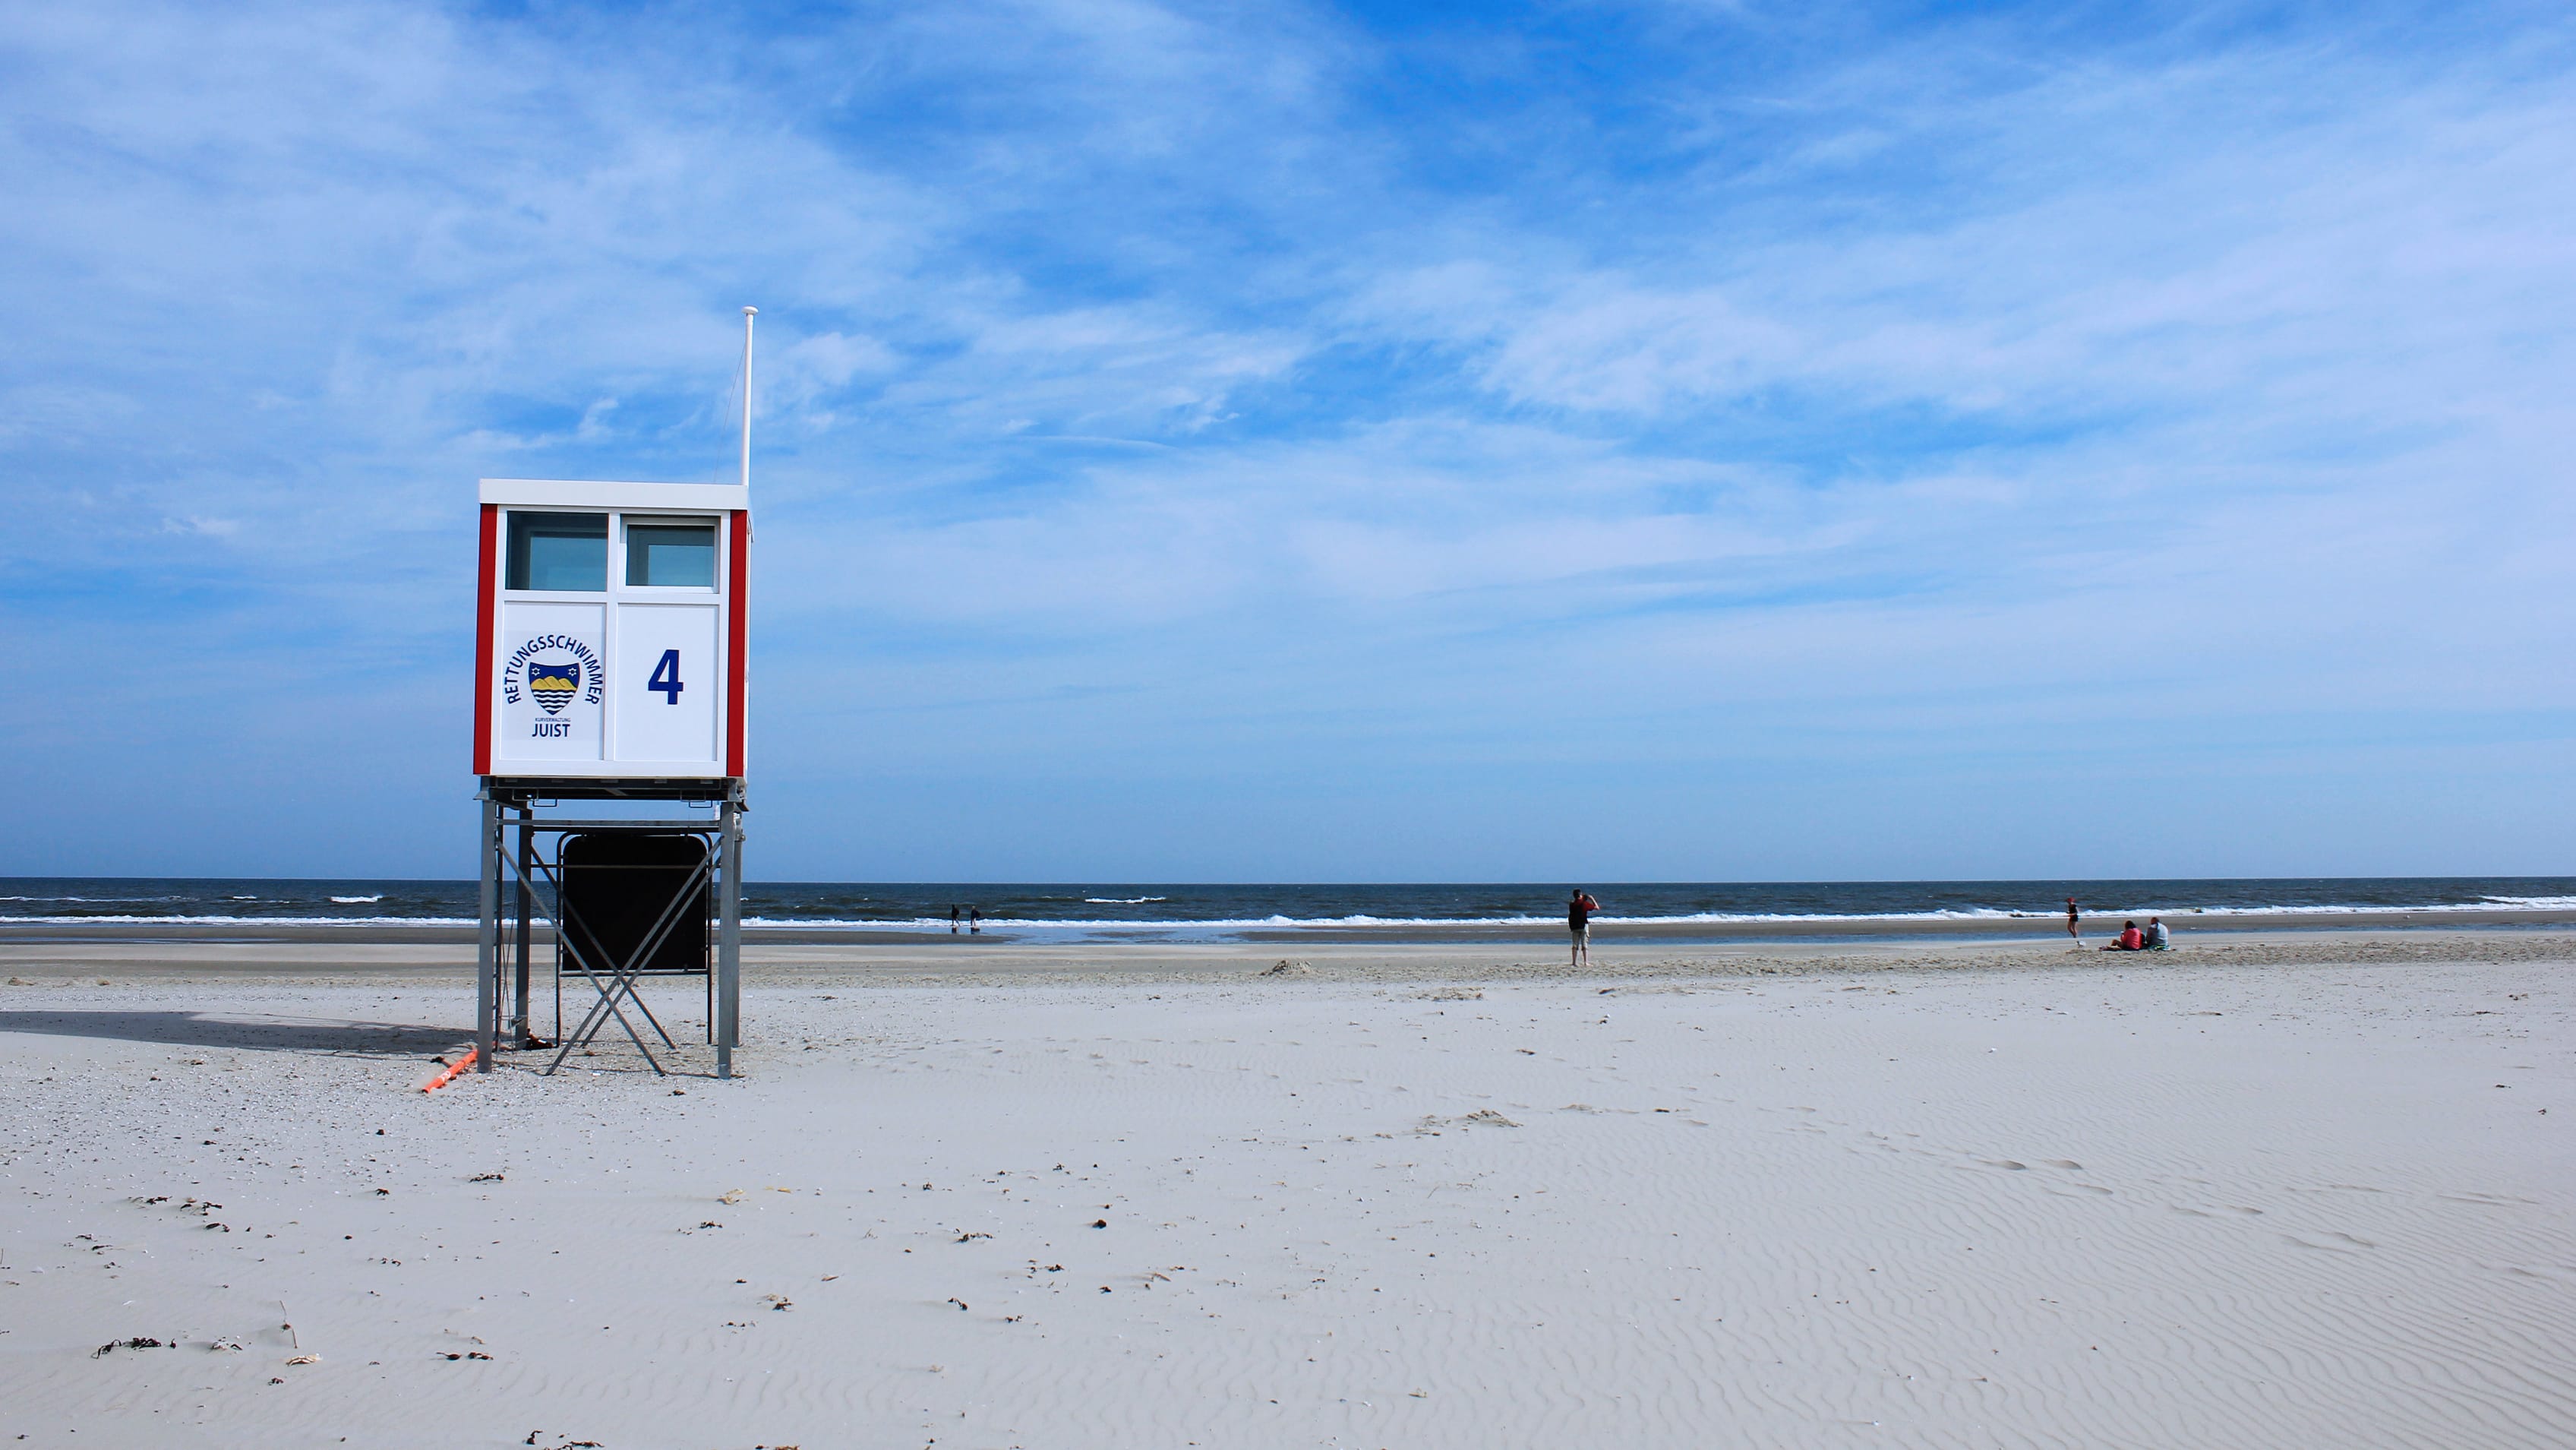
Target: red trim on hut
488 582
737 643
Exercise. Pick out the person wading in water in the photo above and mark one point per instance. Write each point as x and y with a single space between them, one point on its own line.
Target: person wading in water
1578 915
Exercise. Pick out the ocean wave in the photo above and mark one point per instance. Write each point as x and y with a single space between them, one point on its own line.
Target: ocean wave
1703 918
106 900
1361 921
202 920
2093 917
2492 903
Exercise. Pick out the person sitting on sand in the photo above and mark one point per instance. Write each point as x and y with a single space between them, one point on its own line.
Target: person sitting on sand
2156 938
1578 915
2129 940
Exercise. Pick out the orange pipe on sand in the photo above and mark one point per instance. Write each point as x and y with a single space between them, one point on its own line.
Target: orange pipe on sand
449 1074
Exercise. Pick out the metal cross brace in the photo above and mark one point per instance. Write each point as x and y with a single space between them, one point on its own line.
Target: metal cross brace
558 913
623 979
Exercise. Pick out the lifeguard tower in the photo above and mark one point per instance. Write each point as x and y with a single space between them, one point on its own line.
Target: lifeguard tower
611 639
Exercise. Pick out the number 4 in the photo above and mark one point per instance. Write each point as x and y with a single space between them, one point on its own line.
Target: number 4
666 677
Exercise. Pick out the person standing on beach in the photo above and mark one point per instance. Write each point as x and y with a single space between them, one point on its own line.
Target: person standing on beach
974 921
1578 915
2072 911
952 921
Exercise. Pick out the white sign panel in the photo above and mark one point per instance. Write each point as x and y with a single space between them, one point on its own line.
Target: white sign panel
554 682
668 682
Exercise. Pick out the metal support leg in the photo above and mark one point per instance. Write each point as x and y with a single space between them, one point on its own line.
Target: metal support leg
522 1033
487 946
728 1022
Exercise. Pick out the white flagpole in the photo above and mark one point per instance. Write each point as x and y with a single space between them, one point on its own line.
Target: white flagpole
748 314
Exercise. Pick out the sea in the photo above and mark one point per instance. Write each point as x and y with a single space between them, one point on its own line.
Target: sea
1179 912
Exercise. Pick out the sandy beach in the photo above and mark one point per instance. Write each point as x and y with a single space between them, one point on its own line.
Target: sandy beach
2276 1189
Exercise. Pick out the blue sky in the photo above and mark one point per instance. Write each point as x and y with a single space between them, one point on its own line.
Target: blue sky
1272 441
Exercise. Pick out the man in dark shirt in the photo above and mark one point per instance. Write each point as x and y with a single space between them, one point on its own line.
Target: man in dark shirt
1578 915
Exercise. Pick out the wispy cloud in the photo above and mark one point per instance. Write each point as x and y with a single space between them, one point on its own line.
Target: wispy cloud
1168 412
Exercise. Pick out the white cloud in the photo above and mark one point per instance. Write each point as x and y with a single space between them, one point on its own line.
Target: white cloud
1137 345
202 526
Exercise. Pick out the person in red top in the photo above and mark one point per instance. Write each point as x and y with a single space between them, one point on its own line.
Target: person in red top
1578 915
2130 939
